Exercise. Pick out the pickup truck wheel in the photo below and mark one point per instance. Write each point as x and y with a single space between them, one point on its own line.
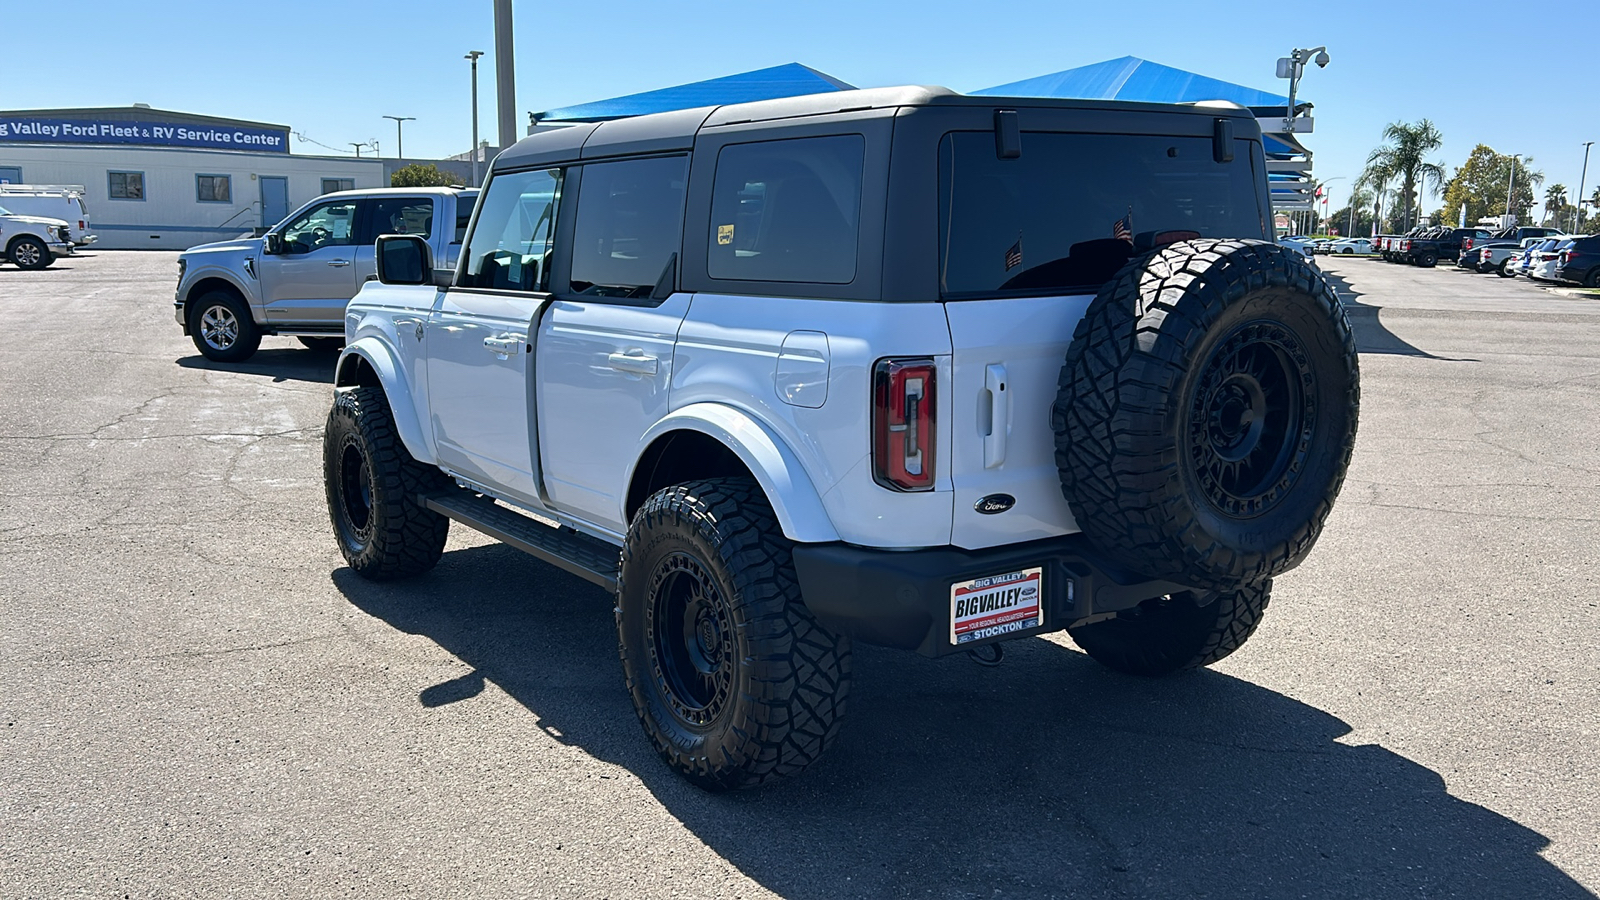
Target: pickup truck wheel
28 252
1593 280
1504 269
372 485
734 681
1172 633
1206 413
322 344
1427 260
222 329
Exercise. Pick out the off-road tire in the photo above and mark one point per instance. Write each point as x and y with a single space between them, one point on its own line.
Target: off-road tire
1145 408
28 252
1173 633
372 485
221 327
775 694
321 344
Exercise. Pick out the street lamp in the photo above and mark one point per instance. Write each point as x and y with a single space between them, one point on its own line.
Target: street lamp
473 55
1577 202
399 139
1511 181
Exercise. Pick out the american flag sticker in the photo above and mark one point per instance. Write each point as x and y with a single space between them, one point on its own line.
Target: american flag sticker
1122 229
1014 255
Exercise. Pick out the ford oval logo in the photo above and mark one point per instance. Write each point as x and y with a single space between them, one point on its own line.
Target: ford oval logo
995 504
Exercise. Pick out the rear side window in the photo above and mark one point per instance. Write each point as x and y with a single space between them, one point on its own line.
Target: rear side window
398 215
510 247
787 210
464 204
1074 208
628 224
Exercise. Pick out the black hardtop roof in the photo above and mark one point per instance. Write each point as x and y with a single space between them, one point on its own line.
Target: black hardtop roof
676 130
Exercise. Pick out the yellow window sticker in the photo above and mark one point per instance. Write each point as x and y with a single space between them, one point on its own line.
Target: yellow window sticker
724 234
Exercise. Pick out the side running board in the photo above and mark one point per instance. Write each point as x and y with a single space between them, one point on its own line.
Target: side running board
587 557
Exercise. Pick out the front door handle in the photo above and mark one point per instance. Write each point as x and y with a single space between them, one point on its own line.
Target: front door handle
634 361
504 345
338 263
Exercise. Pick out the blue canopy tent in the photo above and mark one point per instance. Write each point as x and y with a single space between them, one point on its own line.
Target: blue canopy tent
789 80
1135 79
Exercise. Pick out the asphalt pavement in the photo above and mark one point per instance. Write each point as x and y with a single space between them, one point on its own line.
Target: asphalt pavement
201 700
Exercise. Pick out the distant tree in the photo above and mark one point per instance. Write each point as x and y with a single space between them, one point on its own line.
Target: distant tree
1555 204
1404 157
419 175
1480 185
1375 177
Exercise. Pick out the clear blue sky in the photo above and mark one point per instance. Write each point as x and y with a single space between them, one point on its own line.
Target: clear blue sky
331 70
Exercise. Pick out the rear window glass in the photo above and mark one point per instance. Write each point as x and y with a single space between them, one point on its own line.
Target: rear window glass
629 223
1074 208
787 210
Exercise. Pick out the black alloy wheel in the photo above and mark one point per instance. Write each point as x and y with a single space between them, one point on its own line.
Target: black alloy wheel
1251 420
690 627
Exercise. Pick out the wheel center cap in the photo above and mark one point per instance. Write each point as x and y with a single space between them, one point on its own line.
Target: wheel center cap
708 636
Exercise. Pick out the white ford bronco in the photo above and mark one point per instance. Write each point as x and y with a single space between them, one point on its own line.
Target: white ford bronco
296 279
897 366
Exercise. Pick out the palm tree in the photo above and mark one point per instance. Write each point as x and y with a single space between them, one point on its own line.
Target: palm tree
1555 197
1403 157
1376 176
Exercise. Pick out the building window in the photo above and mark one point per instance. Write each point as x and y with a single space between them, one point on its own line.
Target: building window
125 185
214 188
10 175
329 185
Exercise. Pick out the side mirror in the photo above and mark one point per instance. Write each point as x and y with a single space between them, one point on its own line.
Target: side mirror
404 259
274 243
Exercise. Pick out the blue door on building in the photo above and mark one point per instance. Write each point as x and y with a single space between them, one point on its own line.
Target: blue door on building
274 199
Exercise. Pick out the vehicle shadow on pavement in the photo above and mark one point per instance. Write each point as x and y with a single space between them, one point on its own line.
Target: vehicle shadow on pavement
285 364
1045 777
1370 333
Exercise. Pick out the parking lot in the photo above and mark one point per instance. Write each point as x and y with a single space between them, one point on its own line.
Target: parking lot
201 700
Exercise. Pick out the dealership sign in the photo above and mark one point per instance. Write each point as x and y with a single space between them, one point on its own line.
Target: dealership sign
156 134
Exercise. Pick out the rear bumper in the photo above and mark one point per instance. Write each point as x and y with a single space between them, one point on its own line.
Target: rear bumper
903 598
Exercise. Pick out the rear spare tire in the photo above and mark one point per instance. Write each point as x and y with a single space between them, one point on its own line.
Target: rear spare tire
1206 412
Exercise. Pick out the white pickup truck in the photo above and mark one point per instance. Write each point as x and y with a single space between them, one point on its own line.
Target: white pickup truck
296 279
899 366
33 242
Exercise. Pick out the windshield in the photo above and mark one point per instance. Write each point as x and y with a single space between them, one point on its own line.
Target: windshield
1074 208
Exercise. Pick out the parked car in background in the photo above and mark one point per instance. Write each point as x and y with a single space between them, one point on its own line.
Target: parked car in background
296 279
1350 246
33 242
51 201
1544 263
1580 261
1299 245
1509 238
1501 256
1530 257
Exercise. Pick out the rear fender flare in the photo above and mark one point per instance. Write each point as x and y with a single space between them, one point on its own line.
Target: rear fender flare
774 464
378 356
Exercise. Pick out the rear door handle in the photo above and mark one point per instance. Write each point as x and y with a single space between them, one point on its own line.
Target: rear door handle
338 263
998 402
634 361
504 345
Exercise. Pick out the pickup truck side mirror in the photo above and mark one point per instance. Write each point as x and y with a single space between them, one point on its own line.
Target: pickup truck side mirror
274 243
404 259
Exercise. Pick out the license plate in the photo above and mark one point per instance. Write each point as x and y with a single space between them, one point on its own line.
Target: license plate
995 605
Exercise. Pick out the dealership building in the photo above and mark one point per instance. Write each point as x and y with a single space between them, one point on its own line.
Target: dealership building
155 179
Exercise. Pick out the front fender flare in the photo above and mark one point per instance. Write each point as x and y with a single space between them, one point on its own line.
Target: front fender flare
775 466
402 406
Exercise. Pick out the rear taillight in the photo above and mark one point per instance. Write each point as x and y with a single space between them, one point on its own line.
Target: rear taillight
1405 245
903 423
1466 243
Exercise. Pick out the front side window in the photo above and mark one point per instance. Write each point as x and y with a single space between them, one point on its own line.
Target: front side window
213 188
510 248
329 185
125 185
324 225
397 215
787 210
628 224
1074 208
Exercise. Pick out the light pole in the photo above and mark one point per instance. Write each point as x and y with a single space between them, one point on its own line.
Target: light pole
358 148
473 55
1511 181
399 139
1577 202
505 74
